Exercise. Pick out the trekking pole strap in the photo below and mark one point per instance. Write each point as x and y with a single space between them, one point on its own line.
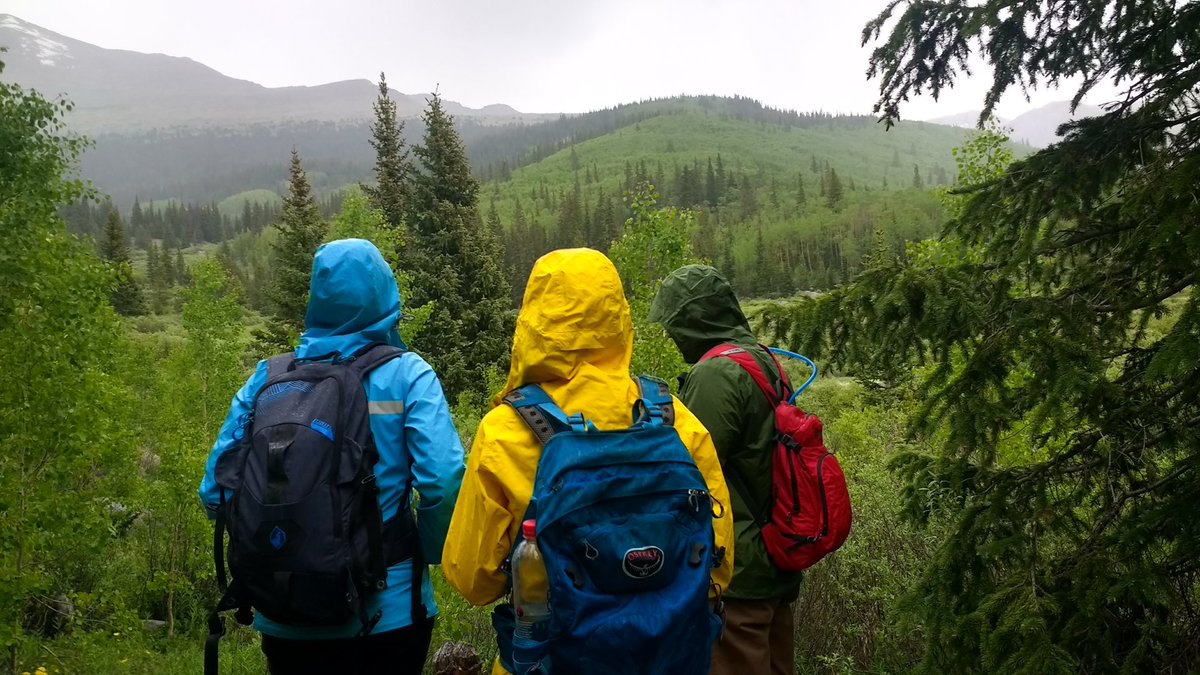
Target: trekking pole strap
216 629
219 542
419 613
376 567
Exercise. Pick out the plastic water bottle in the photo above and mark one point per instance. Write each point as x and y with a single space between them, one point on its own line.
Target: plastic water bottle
530 586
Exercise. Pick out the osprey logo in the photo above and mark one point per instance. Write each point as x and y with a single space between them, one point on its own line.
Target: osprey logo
643 563
278 538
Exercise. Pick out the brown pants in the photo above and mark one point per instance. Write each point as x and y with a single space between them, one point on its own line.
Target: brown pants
758 639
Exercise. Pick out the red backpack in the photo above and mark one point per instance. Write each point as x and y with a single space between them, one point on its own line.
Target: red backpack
810 507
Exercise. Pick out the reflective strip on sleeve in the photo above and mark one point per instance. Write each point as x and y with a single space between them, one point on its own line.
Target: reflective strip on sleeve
385 407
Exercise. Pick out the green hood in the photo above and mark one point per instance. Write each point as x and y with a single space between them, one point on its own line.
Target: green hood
699 311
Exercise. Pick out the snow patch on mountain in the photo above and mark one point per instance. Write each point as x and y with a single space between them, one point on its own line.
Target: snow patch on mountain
45 49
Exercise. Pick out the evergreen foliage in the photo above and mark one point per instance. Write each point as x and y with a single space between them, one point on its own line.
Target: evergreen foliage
393 169
754 185
301 231
455 264
1059 318
834 193
127 296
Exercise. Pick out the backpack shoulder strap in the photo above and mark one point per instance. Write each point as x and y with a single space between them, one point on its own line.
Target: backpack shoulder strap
539 412
372 356
279 364
753 368
656 401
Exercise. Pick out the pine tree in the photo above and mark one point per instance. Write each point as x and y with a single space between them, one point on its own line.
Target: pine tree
1058 319
166 268
801 198
137 222
152 263
747 199
569 231
917 182
181 276
711 195
833 190
455 263
393 169
493 222
722 183
301 231
813 165
127 296
609 224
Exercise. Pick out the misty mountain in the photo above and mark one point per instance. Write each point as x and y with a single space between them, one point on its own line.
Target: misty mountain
172 128
116 90
1037 128
964 120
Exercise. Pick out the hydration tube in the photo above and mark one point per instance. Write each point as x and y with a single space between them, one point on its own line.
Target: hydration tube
805 359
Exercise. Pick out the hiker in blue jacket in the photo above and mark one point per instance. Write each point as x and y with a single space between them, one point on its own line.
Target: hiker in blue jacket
353 302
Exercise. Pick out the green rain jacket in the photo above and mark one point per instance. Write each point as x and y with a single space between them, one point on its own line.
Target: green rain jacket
699 311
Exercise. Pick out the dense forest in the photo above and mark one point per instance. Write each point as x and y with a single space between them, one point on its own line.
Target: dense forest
784 202
1009 339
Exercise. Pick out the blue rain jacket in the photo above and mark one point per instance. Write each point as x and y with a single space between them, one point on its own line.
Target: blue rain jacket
353 301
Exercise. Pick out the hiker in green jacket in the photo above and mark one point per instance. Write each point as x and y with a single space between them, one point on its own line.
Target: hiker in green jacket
699 311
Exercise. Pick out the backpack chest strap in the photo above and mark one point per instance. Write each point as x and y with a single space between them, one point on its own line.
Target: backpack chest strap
545 419
539 412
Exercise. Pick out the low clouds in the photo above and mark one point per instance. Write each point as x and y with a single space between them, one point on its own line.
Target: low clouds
536 55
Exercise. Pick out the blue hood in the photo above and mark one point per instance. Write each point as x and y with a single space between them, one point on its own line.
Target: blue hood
352 300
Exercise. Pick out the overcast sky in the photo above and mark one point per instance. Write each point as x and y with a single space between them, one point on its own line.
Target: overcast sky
535 55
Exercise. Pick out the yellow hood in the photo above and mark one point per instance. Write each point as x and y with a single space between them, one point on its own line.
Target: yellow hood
573 325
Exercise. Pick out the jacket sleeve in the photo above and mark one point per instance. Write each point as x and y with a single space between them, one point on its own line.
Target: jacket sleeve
482 529
700 444
437 457
229 436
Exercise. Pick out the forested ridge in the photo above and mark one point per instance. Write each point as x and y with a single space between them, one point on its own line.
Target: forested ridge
783 201
1010 339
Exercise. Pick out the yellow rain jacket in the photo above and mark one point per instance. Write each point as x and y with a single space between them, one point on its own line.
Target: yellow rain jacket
574 338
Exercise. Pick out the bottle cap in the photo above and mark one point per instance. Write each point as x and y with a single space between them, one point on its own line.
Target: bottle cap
529 529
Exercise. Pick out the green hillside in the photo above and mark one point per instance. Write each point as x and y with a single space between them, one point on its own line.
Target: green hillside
233 206
744 177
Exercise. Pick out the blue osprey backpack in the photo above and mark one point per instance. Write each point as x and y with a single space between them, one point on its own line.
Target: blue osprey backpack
625 526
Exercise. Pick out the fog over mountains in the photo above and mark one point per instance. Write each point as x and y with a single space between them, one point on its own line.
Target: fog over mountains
122 91
171 127
1037 127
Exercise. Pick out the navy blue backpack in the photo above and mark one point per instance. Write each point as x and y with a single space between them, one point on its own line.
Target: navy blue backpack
625 525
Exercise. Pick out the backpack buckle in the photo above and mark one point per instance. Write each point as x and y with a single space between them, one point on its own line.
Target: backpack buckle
787 441
580 424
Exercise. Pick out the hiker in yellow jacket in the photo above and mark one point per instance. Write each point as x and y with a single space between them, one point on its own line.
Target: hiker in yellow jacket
574 338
